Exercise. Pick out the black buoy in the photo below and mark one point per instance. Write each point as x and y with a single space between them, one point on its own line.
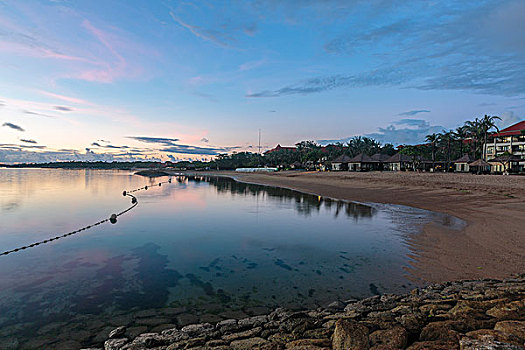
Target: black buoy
145 187
133 200
169 180
124 193
113 218
160 183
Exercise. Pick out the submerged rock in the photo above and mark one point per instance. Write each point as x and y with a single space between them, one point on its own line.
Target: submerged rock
464 315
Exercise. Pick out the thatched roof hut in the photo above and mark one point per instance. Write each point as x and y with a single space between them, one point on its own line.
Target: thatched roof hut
467 158
380 157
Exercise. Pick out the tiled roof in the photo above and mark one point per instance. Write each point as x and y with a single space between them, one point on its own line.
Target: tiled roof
361 158
515 129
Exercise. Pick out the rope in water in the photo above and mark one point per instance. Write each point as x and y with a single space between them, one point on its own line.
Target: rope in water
112 219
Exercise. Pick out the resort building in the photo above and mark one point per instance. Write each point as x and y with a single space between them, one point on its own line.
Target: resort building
281 148
380 160
502 144
461 165
341 162
399 162
361 162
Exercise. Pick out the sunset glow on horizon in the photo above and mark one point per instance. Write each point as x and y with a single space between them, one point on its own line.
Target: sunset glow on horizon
172 80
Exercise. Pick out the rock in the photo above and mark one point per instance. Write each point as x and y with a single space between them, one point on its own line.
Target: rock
132 332
485 344
117 332
172 311
233 314
411 322
186 319
102 336
516 328
122 320
152 321
150 340
434 345
336 306
197 329
254 321
317 333
349 335
442 330
216 342
247 344
115 344
227 326
210 318
67 345
495 335
396 337
309 344
296 324
513 310
9 343
241 335
163 327
462 309
145 313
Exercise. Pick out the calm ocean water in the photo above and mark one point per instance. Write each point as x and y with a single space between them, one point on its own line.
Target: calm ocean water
198 249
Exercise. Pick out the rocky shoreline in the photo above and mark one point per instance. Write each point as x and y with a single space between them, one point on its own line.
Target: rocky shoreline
472 314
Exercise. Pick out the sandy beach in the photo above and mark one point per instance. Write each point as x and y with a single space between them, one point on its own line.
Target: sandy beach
491 245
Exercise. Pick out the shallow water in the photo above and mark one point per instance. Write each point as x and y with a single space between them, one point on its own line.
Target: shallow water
197 249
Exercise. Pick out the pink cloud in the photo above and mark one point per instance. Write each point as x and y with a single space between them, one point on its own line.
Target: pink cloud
64 98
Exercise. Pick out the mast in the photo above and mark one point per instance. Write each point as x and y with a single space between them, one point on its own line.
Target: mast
259 142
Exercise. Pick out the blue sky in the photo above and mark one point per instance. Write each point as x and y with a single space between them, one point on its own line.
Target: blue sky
190 79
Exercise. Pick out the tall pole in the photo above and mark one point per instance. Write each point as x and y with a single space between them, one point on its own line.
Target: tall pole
259 141
259 147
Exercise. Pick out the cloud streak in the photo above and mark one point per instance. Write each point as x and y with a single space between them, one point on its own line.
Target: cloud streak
159 140
28 141
205 34
413 112
63 108
38 114
13 126
452 53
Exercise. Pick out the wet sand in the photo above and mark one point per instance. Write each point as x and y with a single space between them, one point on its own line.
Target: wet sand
491 245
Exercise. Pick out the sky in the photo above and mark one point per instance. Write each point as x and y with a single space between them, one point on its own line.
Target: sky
177 80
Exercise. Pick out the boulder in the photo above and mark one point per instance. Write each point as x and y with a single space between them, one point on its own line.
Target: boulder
248 344
516 328
309 344
442 330
350 335
117 332
494 335
513 310
434 345
467 343
115 344
396 337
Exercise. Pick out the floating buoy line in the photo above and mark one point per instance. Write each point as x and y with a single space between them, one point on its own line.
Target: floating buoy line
112 219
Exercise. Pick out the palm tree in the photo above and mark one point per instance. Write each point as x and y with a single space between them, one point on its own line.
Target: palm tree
446 138
475 133
433 138
487 123
461 133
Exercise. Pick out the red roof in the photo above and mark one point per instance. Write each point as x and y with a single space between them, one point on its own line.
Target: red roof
281 148
515 129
